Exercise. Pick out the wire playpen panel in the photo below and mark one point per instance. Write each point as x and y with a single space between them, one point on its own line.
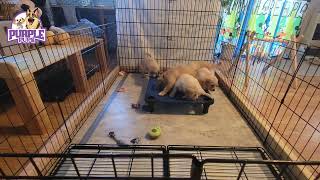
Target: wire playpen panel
171 31
268 79
273 82
49 90
156 162
278 95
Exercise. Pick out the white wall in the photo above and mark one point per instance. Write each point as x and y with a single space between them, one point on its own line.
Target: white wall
311 18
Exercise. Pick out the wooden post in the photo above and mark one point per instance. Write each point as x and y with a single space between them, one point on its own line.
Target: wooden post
102 57
293 52
293 56
29 104
273 61
247 70
247 49
78 72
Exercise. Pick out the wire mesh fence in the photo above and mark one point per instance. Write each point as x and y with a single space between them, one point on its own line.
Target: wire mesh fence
277 91
271 80
49 90
277 84
92 161
172 32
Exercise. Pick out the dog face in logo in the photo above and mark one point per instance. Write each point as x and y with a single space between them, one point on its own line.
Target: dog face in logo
32 19
19 22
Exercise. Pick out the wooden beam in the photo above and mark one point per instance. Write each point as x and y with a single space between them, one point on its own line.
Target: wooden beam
101 55
29 104
247 47
78 72
58 140
294 58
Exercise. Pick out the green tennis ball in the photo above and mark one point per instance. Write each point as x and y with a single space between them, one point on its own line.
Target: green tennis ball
154 133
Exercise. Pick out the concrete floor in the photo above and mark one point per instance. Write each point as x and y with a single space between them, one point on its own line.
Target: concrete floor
222 126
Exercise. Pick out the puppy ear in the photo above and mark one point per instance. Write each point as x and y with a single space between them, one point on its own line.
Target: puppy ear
202 83
148 56
211 67
37 11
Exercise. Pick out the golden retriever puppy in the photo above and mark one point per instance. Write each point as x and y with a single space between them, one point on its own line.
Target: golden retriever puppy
149 65
201 64
169 77
190 86
207 79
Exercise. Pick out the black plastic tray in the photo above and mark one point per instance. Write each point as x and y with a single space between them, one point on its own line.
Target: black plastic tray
152 97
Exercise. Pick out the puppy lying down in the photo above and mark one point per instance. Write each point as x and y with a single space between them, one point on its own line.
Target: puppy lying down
170 77
190 86
207 79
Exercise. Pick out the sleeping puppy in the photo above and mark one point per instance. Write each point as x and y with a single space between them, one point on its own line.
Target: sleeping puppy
169 77
207 79
190 86
149 65
201 64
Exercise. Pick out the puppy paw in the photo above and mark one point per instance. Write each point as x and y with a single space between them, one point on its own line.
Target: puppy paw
162 93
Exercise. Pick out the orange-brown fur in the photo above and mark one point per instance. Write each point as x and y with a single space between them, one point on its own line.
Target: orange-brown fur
170 77
190 86
207 79
150 65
